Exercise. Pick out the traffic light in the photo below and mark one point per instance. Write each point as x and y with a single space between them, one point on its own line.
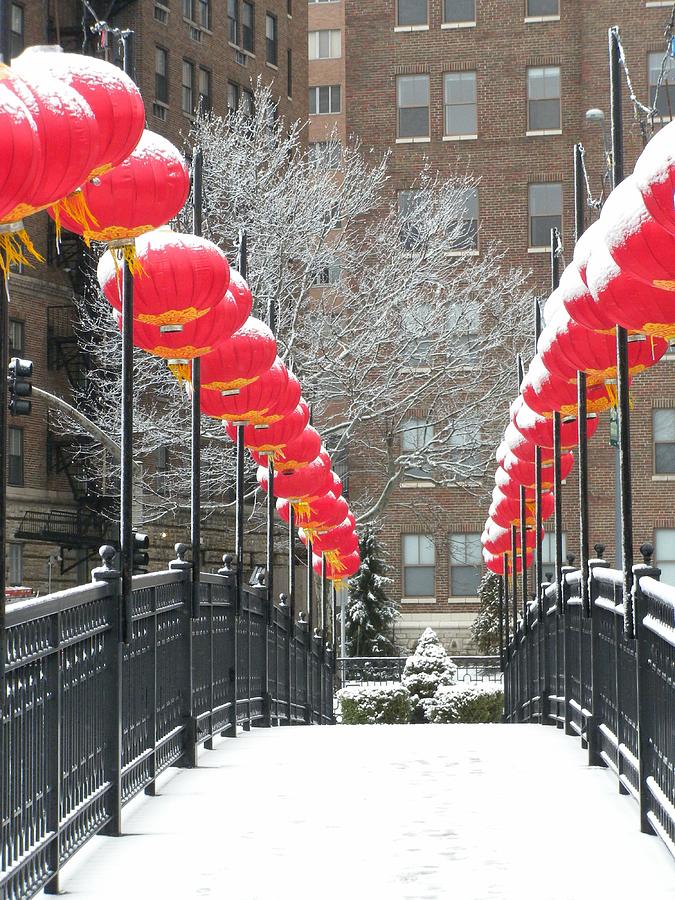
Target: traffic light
20 373
140 543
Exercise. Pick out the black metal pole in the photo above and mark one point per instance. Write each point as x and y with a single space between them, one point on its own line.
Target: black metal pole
501 622
514 581
242 265
557 489
523 554
195 460
310 590
291 561
538 518
505 568
4 329
270 536
623 389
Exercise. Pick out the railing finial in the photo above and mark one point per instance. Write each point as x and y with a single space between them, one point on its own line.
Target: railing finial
105 572
283 601
599 550
647 551
228 565
570 559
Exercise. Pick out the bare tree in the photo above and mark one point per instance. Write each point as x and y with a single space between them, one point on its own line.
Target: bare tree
402 334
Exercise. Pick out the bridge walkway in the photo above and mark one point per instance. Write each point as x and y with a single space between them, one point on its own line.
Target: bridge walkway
468 812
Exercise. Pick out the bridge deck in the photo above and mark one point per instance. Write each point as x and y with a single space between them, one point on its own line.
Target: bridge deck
469 812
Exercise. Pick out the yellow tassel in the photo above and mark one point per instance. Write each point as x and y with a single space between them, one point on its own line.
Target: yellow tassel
75 206
132 260
334 559
16 248
302 509
181 372
611 393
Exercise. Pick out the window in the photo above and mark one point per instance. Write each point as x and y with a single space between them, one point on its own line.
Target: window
542 8
17 337
416 435
188 87
419 565
161 75
465 564
247 26
548 554
412 12
325 44
324 99
545 208
664 101
465 440
271 39
408 204
325 154
664 554
466 238
663 425
464 323
419 325
15 564
543 99
460 108
15 456
412 97
16 38
459 11
198 11
204 90
327 275
232 96
161 13
289 73
247 104
233 21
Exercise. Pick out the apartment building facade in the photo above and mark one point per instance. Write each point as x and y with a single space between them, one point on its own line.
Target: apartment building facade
188 54
498 89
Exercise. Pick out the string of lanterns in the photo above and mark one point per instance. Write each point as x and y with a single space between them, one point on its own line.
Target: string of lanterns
622 273
72 141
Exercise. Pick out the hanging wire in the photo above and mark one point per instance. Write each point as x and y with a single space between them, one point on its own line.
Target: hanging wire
592 202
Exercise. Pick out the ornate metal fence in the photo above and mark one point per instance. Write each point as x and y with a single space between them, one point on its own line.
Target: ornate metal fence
580 672
89 722
382 669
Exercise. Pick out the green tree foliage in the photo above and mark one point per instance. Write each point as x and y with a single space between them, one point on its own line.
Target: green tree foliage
485 629
428 669
370 612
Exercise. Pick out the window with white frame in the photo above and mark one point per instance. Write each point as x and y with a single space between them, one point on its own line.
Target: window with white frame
232 96
324 99
548 554
412 12
419 327
416 435
662 84
464 324
465 440
664 554
247 103
188 87
233 21
247 26
17 337
412 100
15 456
17 30
408 205
198 11
663 430
325 154
204 89
325 44
466 237
542 8
545 212
15 573
271 40
459 104
465 564
543 98
419 565
459 11
327 275
161 75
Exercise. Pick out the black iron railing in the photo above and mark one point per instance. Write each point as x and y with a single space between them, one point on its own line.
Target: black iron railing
382 669
581 673
90 722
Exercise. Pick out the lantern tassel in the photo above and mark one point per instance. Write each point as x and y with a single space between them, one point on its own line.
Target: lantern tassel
74 206
181 371
302 510
16 248
335 560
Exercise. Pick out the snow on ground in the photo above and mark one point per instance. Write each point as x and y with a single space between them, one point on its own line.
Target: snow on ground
468 812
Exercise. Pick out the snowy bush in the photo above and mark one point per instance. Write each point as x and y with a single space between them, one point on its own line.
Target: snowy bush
427 670
467 704
374 705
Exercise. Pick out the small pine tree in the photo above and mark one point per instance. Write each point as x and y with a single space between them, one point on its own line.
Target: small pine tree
425 671
485 628
370 613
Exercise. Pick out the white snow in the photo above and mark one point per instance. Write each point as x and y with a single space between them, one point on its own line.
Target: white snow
399 812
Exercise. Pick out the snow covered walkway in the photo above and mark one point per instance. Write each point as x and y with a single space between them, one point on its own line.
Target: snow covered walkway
468 812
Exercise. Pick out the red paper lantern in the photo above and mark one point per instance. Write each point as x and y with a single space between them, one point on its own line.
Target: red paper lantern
654 176
269 438
194 339
523 472
497 540
316 514
496 563
112 96
510 486
181 277
546 393
266 400
144 192
241 293
539 429
20 148
337 540
305 482
635 239
239 360
505 510
297 453
579 302
631 303
338 567
521 447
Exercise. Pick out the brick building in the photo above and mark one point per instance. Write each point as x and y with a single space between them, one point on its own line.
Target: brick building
498 89
186 53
